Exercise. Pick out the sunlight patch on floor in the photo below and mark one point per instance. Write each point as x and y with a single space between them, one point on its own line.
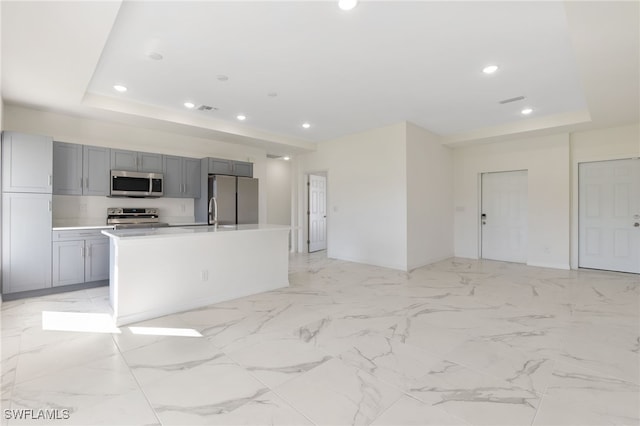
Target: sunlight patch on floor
79 321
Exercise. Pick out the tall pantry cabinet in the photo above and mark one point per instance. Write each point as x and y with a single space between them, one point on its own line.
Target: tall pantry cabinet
27 167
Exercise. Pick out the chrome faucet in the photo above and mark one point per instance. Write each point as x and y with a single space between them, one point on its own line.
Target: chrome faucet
213 211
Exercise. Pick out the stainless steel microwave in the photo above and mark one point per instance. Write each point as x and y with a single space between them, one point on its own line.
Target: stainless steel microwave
136 184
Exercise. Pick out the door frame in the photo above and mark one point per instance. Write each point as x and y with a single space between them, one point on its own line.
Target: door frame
305 224
479 213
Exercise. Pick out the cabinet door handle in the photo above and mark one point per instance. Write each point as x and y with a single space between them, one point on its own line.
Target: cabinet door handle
49 179
49 205
89 251
81 183
82 252
87 182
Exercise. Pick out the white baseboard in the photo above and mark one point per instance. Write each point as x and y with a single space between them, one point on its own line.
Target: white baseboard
564 266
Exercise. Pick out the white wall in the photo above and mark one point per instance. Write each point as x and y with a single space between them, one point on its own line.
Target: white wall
279 190
598 145
548 164
66 128
367 196
429 198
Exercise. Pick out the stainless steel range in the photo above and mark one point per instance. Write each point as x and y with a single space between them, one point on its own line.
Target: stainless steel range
134 217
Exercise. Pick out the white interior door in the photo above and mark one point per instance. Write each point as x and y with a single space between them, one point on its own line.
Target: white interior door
609 215
317 213
504 216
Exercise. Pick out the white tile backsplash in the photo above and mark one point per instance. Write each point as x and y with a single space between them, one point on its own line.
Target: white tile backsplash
71 210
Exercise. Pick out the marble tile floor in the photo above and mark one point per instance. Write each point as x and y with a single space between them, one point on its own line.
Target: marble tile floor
459 342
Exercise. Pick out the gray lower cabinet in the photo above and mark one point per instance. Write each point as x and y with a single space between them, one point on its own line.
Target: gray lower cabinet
79 257
136 161
26 241
68 262
80 169
181 177
27 163
96 262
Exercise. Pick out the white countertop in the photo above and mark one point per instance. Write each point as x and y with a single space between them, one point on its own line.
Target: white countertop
187 230
80 228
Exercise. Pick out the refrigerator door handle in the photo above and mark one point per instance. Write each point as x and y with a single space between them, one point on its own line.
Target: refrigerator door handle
213 211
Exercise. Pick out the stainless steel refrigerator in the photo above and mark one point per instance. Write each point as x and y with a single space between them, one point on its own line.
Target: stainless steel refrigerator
236 200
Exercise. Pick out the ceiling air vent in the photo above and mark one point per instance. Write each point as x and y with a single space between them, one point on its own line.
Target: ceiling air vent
507 101
207 108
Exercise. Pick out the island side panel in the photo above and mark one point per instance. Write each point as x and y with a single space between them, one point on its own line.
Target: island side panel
160 276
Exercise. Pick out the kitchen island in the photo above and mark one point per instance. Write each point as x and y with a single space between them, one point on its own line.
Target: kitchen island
160 271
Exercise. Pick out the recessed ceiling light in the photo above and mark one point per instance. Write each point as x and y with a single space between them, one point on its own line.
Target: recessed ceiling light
347 4
120 88
526 111
155 56
222 77
306 125
286 158
189 105
241 117
272 94
490 69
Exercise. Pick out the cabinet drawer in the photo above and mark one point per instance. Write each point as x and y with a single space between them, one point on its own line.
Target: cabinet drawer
80 234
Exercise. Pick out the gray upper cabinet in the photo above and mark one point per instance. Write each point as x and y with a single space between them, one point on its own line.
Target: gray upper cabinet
67 169
148 162
173 176
181 177
136 161
124 160
80 169
192 177
27 163
26 241
218 166
95 170
241 168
